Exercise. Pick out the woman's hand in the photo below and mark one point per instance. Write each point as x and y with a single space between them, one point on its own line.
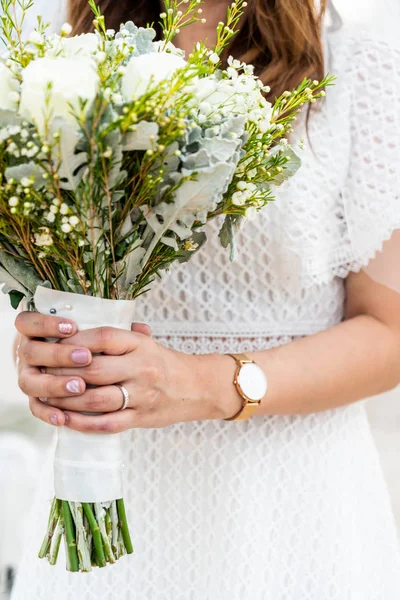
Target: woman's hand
164 386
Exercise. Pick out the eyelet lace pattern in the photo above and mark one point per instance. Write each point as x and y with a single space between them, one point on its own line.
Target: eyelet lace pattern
276 508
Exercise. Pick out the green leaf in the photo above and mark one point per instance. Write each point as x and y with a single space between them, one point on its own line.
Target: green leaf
227 234
290 168
18 275
73 160
28 170
198 238
193 199
16 298
140 138
11 284
9 117
130 267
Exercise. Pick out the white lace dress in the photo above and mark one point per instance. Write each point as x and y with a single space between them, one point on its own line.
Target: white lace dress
277 508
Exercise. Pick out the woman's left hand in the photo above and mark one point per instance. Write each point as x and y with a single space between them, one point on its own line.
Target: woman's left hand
164 386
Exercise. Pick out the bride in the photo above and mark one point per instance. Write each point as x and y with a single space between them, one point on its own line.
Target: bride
286 501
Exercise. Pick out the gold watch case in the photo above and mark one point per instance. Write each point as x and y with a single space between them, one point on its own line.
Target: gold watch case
251 384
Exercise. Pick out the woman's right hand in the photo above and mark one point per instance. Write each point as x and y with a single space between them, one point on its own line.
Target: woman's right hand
35 355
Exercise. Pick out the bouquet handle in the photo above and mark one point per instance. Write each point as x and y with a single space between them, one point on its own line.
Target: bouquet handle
88 508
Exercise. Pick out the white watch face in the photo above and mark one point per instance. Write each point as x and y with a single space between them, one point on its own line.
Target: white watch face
253 382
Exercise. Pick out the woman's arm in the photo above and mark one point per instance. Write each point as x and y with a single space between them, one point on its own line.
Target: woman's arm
355 359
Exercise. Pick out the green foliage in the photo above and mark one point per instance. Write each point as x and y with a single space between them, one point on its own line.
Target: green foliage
104 199
16 298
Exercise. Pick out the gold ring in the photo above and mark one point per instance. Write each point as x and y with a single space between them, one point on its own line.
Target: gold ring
125 394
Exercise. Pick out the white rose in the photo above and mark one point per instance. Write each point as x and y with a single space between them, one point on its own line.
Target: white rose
169 48
141 70
7 94
79 45
71 79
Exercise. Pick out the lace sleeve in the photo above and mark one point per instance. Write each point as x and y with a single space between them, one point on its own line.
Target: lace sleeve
371 195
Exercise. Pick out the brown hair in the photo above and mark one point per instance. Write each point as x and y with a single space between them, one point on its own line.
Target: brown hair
281 38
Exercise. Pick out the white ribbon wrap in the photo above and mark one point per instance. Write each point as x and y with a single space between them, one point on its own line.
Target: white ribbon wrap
87 467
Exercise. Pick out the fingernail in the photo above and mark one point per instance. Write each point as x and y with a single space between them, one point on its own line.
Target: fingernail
66 415
73 386
44 400
54 419
80 357
65 328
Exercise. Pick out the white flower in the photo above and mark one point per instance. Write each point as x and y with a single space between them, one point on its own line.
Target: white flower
70 79
74 220
64 208
7 94
240 95
66 228
26 182
50 217
190 246
100 57
35 38
44 238
13 201
214 58
141 70
82 45
169 47
238 198
66 29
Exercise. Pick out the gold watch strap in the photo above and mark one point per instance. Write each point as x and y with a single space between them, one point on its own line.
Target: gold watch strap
241 359
248 408
245 413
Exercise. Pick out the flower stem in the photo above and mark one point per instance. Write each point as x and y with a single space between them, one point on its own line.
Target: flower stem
108 525
70 537
101 519
124 526
121 545
56 540
94 527
53 519
114 528
82 541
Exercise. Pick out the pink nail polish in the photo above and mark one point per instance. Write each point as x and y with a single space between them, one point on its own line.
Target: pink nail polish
65 328
80 357
66 415
73 386
54 419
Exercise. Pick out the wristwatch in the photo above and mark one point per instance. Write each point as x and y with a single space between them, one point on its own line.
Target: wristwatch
251 384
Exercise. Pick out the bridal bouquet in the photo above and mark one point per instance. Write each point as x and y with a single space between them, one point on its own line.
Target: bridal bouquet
115 151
